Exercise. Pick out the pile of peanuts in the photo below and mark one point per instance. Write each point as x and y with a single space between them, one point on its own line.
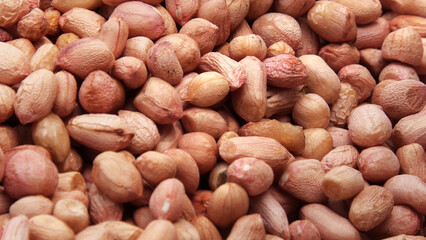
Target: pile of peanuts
212 119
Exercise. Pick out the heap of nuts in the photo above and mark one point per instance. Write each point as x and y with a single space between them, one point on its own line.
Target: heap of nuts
212 119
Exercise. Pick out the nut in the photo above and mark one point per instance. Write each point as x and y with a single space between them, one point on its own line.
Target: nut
247 45
311 111
66 96
155 167
185 230
131 71
398 71
73 213
207 89
285 71
410 129
365 11
360 79
15 68
12 11
182 11
49 227
341 183
203 32
186 169
221 17
65 39
169 136
404 45
372 35
138 47
258 8
248 227
6 102
16 228
32 25
411 157
31 206
163 63
102 208
64 6
303 229
344 155
114 33
204 120
82 22
292 7
339 55
167 201
318 142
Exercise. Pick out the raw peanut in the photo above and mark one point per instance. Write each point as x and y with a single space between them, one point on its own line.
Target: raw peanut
332 21
238 10
65 39
44 57
224 49
40 42
31 206
49 228
310 40
116 177
52 17
15 64
186 169
206 228
204 120
25 45
369 126
329 224
279 48
202 147
73 213
122 230
169 22
226 136
163 63
50 132
254 175
232 124
9 137
102 132
38 149
95 232
402 220
73 162
102 208
22 173
285 71
242 30
290 136
275 27
169 136
114 3
155 167
142 217
188 210
6 102
146 132
167 201
417 23
249 101
64 6
365 11
318 142
341 183
404 45
82 22
220 17
311 111
371 207
67 94
402 98
200 201
12 11
412 158
248 227
282 101
409 190
228 203
2 167
203 32
16 228
410 129
185 230
75 194
182 11
341 109
292 7
398 71
372 58
114 33
131 71
339 55
84 56
340 136
218 175
100 93
266 149
33 25
182 87
405 7
273 215
360 79
248 45
138 47
304 230
186 50
344 155
5 36
258 8
372 35
321 79
161 109
142 19
302 179
207 89
234 73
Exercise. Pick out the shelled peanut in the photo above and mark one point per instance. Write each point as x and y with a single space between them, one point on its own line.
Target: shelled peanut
212 119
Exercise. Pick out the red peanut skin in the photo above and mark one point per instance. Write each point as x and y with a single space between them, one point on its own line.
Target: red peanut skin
304 230
330 225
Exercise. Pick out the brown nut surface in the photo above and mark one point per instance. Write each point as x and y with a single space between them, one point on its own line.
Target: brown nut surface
167 200
155 167
404 45
412 159
311 111
285 71
341 183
